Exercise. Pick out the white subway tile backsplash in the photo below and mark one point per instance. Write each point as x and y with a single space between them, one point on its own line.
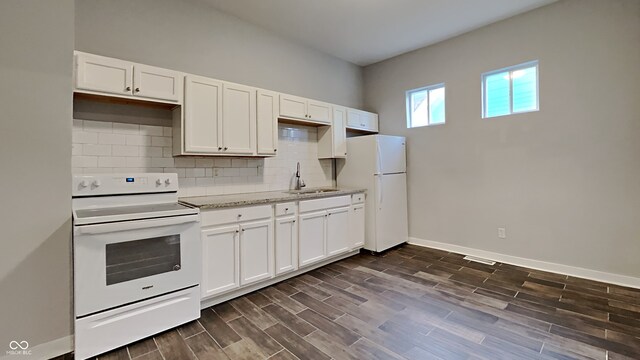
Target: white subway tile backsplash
112 161
151 130
160 141
83 137
127 129
140 140
97 126
96 150
110 139
125 148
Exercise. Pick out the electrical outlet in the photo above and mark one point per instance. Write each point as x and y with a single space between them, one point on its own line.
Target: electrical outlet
502 233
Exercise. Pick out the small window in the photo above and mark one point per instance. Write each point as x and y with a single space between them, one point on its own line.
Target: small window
425 106
510 90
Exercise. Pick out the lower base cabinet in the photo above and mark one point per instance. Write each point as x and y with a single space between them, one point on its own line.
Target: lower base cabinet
238 253
220 260
312 237
286 244
256 251
338 231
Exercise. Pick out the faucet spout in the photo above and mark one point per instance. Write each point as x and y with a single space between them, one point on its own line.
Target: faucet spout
299 182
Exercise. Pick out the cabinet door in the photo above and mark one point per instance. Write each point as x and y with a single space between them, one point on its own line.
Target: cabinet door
97 73
319 111
371 121
238 119
256 251
157 83
267 122
293 106
355 119
356 226
311 238
202 115
338 231
339 132
286 244
220 260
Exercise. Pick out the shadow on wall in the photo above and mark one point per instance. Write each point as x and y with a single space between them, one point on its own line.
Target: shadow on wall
37 270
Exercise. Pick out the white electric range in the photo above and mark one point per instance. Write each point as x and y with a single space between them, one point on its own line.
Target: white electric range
137 259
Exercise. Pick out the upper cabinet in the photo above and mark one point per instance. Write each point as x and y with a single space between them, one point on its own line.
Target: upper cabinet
294 107
332 141
98 75
219 118
267 122
362 120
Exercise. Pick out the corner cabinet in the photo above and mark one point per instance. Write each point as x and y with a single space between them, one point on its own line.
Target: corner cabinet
219 119
99 75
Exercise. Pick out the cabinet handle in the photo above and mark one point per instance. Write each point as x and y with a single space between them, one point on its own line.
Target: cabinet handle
294 221
275 150
239 215
137 89
286 209
237 231
128 88
219 148
225 148
242 229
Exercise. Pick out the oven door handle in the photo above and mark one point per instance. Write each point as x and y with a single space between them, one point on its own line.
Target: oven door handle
135 225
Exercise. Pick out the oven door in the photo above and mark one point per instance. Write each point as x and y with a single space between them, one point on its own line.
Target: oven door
124 262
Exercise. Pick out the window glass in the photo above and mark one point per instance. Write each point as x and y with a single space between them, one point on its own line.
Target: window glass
426 106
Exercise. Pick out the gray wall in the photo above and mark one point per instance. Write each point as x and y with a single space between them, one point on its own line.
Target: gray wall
35 157
191 36
564 181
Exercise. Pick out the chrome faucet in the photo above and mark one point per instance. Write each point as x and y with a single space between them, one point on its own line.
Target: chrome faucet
299 182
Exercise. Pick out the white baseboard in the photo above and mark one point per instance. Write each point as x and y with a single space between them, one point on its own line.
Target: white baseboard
46 350
596 275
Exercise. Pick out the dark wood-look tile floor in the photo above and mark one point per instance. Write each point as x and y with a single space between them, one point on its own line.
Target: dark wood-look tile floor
412 303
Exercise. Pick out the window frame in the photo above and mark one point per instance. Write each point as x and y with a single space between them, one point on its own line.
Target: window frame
510 69
427 89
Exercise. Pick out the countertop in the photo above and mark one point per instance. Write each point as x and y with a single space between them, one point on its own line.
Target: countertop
269 197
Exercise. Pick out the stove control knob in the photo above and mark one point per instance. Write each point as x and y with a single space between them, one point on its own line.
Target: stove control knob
158 182
96 183
83 184
167 182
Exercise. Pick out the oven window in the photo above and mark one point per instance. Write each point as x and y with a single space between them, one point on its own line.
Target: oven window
137 259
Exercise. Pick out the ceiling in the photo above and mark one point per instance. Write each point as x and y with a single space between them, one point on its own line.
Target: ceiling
367 31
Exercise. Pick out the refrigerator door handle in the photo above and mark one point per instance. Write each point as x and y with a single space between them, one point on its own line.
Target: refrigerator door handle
380 191
380 169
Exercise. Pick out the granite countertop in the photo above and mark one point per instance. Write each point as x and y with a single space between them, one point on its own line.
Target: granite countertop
269 197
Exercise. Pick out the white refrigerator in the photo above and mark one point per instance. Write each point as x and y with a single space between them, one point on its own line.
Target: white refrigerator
377 163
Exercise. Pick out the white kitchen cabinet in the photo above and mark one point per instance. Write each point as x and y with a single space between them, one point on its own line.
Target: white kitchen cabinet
338 231
268 109
312 237
156 83
356 226
219 118
100 74
238 119
202 115
332 140
221 260
300 108
286 244
362 120
256 251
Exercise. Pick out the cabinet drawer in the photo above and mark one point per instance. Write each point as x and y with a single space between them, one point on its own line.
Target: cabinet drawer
286 209
357 198
325 203
226 216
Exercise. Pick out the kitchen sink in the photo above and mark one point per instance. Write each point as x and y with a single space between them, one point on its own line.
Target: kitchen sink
310 191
